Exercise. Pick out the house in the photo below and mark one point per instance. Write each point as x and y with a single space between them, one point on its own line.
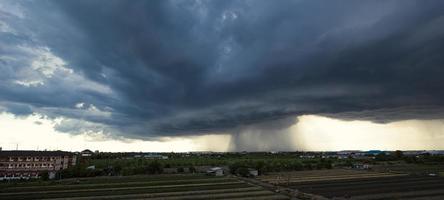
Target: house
32 164
435 152
91 167
308 156
155 156
351 154
86 153
215 171
253 172
413 153
362 166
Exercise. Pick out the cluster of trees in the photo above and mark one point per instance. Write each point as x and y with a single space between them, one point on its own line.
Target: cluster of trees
425 158
112 167
396 155
277 165
80 171
116 164
151 168
142 167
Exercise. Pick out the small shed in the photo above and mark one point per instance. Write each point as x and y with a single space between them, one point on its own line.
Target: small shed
215 171
362 166
253 172
86 153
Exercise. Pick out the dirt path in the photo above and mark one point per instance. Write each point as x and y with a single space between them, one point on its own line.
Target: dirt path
292 194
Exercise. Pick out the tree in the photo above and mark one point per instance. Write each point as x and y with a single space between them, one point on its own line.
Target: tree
242 171
381 157
398 154
44 176
180 170
154 168
192 169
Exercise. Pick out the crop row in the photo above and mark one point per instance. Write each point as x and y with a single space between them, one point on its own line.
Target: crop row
113 185
384 180
166 194
319 172
103 180
279 180
370 187
121 191
225 195
417 195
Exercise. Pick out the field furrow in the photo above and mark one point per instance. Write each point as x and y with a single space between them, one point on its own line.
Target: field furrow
113 185
166 194
145 187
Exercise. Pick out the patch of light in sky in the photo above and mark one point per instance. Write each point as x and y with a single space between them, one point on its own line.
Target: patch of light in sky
311 132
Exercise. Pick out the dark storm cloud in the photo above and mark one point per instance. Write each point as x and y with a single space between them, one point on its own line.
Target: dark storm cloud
19 109
163 68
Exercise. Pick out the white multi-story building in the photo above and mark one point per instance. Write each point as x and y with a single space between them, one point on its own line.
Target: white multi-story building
32 164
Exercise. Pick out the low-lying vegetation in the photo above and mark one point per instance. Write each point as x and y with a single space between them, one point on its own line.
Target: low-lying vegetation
153 187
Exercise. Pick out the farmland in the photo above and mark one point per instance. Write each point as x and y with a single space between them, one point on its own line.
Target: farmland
278 176
414 169
405 187
321 175
264 162
360 184
139 187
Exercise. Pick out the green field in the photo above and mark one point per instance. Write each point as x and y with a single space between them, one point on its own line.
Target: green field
139 187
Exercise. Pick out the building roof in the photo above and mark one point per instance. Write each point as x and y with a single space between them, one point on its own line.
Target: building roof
87 151
35 153
213 169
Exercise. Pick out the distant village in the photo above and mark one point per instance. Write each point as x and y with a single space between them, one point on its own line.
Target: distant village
21 164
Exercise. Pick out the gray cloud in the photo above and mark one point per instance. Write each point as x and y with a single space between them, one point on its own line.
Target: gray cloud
144 69
18 109
387 115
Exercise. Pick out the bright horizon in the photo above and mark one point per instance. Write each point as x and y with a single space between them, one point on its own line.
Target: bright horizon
311 133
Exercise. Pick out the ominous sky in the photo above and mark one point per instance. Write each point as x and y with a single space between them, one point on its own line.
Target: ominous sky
150 70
